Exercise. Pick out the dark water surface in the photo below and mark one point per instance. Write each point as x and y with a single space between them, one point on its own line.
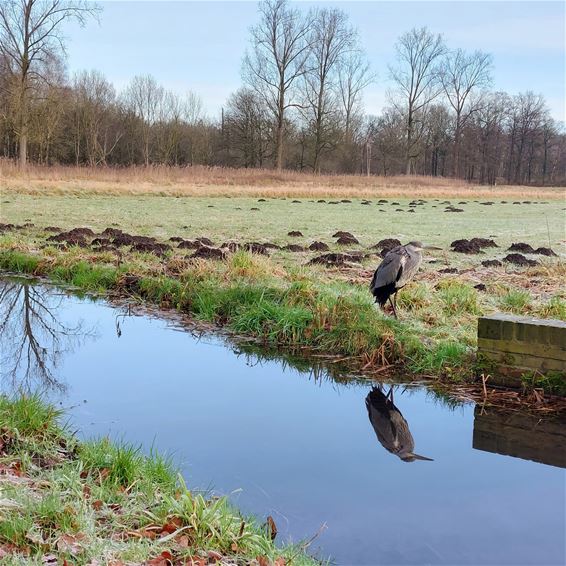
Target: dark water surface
298 447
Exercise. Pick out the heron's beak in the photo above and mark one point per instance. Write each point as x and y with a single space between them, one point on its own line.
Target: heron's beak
427 247
417 457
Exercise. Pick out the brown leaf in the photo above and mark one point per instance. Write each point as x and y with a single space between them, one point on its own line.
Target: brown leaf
97 505
86 491
183 541
271 527
280 561
195 561
71 544
262 560
214 556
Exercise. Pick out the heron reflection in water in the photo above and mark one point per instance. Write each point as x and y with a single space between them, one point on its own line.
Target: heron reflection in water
390 426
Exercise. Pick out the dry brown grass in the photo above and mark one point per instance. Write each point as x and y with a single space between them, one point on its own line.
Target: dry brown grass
222 181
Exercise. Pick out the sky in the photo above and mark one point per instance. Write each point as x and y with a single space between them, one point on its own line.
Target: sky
199 46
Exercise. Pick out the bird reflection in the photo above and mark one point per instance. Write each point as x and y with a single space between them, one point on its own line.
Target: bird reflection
390 426
32 338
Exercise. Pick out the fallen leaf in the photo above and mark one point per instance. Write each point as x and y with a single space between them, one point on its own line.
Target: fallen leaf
97 505
262 560
71 544
183 541
280 561
214 556
271 527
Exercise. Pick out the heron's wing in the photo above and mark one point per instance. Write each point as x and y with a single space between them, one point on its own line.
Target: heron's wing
390 269
410 267
380 419
404 438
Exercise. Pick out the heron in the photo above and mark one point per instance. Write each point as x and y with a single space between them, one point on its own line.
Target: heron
398 267
390 426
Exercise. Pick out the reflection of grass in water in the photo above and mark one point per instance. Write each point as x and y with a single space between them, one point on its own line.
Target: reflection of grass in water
81 501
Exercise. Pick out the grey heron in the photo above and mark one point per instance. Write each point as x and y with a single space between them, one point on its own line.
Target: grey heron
390 426
398 267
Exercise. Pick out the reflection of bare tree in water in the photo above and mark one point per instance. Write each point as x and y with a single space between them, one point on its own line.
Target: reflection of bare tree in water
32 339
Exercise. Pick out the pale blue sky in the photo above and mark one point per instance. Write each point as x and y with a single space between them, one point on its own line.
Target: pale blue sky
199 45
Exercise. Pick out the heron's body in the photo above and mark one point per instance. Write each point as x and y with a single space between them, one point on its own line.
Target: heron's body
398 267
391 428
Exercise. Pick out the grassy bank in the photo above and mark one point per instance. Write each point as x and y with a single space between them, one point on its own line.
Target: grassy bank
295 308
97 502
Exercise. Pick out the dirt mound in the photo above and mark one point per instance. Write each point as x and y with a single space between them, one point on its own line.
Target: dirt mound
207 252
150 247
519 259
112 232
124 239
294 248
473 246
205 241
295 234
465 247
345 200
271 246
480 287
545 251
6 227
521 247
256 248
491 263
189 245
340 233
254 208
295 201
347 240
334 259
488 203
261 200
51 229
100 242
453 209
319 247
321 200
176 239
448 270
69 238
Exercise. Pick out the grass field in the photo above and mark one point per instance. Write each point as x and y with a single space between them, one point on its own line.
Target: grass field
283 299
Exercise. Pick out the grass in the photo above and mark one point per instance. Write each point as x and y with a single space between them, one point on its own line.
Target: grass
100 502
224 181
281 300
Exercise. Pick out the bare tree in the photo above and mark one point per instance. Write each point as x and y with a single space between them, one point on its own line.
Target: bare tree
461 75
30 38
144 97
331 39
354 75
417 78
277 58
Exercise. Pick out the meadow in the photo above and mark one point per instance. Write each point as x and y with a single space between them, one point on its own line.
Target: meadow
261 280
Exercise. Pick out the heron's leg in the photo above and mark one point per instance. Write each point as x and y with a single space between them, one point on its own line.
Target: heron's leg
393 307
395 299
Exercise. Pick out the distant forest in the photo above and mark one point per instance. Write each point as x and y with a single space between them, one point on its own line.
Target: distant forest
300 105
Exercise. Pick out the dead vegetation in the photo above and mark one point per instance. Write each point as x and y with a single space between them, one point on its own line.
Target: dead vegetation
223 181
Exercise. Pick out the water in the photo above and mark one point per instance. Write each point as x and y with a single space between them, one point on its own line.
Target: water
295 444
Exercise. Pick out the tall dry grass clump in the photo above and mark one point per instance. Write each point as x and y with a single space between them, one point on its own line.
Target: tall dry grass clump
224 181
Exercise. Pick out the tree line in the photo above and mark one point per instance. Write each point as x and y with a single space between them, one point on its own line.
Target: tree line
300 105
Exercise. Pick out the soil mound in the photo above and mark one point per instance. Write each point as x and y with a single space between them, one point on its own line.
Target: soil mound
295 234
519 259
521 247
347 240
386 243
207 252
545 251
294 248
189 245
150 247
448 270
319 247
49 229
340 233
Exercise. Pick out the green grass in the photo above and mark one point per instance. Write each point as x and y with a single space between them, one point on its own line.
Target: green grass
231 218
99 500
516 301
